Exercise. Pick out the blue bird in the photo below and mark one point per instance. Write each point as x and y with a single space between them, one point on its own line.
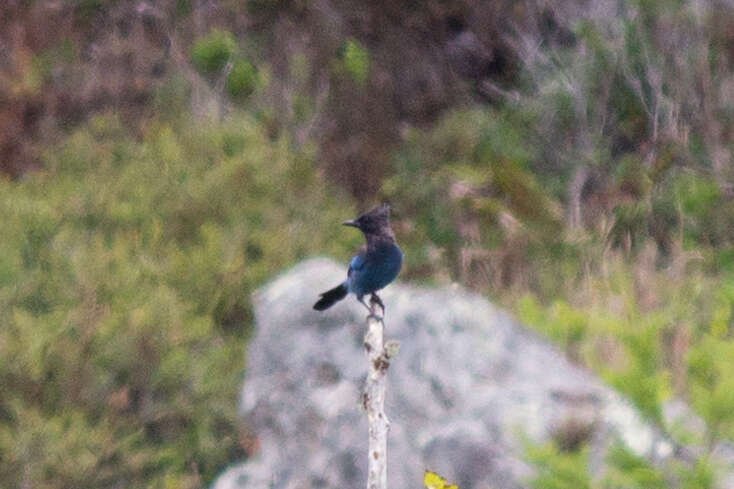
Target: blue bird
374 267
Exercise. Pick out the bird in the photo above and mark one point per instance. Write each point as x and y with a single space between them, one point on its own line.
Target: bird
373 267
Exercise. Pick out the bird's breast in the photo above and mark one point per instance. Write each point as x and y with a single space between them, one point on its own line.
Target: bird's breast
382 265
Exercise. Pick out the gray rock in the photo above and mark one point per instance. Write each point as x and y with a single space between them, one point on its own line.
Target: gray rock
467 386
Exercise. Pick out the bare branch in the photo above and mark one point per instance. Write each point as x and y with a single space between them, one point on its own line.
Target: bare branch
373 399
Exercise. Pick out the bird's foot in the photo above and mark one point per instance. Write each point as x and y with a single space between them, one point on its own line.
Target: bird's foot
375 299
369 307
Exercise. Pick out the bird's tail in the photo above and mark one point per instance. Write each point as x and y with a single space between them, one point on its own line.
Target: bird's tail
330 297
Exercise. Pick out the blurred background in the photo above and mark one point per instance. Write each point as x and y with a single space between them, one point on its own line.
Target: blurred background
160 160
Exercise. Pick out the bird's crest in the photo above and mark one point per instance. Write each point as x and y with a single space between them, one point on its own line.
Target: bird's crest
376 221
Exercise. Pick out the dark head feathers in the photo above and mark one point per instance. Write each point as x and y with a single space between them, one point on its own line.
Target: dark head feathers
375 221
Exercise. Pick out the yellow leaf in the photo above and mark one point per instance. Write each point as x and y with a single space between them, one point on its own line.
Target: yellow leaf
434 481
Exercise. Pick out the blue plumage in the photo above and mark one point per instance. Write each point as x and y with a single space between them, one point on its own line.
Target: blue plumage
370 273
374 267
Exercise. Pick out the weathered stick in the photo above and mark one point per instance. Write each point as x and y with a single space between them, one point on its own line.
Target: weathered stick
374 400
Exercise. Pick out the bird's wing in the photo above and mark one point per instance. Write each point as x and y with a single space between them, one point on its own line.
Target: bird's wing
357 262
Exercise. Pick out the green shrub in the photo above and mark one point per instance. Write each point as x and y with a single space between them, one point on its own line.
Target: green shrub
625 469
700 476
355 61
711 385
241 80
557 469
212 52
125 275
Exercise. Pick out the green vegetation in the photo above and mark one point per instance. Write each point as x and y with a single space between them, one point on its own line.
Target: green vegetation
620 256
125 271
559 469
211 53
356 61
242 79
582 178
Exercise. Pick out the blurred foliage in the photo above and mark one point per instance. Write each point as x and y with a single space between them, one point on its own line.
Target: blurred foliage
354 61
594 208
470 188
588 209
557 469
126 270
630 471
242 79
211 53
578 169
712 387
561 469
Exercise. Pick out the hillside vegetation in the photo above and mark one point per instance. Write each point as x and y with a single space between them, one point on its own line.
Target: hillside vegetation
572 162
125 274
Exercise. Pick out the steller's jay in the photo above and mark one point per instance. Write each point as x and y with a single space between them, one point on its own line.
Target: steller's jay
374 267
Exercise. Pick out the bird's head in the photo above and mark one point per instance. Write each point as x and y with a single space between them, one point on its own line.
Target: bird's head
373 222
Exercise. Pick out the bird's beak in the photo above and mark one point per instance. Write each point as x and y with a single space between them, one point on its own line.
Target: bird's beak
351 222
